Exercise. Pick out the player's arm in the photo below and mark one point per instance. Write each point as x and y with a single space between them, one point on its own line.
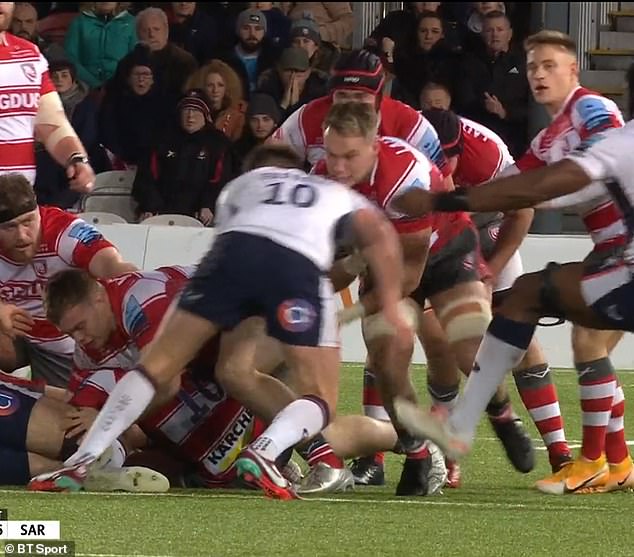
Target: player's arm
108 263
53 129
513 230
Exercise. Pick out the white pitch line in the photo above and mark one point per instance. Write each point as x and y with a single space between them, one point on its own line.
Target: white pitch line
433 501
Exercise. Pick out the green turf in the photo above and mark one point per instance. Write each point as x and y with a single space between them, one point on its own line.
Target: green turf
496 512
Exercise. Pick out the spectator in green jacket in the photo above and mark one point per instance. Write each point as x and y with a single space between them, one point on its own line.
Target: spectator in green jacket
96 40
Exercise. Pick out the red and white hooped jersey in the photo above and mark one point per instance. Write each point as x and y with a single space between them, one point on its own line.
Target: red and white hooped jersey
484 155
201 425
398 169
23 80
302 130
584 115
67 242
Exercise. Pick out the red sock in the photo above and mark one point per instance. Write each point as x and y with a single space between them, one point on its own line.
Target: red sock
318 450
373 405
615 445
539 395
597 384
420 453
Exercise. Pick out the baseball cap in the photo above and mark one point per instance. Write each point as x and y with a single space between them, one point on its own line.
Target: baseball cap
294 58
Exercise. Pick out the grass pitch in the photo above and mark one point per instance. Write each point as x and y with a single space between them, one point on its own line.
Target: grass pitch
496 512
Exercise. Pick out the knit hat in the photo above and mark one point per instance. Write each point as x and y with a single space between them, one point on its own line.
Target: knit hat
251 16
306 27
294 58
261 103
196 99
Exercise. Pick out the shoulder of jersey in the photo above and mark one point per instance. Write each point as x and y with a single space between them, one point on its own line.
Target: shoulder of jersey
23 44
55 219
586 100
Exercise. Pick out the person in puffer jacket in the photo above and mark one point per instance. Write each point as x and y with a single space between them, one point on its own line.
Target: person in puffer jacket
96 40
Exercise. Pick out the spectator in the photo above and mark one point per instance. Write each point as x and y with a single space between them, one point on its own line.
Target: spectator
293 83
435 95
423 59
188 167
51 183
398 26
224 89
472 31
24 24
128 121
171 64
254 53
96 40
335 20
277 24
493 86
263 118
322 55
193 30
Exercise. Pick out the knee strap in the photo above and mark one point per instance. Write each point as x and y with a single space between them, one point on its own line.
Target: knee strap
465 318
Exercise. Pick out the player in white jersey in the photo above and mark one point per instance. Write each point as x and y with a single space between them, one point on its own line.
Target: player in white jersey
30 109
277 228
596 293
35 242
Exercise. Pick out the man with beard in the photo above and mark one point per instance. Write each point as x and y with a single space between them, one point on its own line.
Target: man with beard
254 52
24 25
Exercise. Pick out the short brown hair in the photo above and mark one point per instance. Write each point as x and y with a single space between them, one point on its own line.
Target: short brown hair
16 196
551 38
67 289
272 154
352 119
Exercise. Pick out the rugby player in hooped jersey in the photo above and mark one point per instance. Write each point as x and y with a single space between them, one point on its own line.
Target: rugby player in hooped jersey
36 242
258 236
382 169
358 77
30 108
596 293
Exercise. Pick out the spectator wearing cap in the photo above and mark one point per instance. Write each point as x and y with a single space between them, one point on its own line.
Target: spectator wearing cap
224 89
51 183
187 167
277 24
97 39
305 34
293 83
128 122
493 89
334 19
423 58
254 52
171 64
193 30
263 118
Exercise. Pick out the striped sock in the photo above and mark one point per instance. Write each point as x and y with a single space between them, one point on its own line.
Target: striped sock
615 445
539 395
597 384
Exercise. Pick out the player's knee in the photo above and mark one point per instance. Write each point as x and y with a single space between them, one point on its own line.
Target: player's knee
376 326
588 344
465 318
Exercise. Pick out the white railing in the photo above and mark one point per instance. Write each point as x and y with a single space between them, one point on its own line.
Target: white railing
367 16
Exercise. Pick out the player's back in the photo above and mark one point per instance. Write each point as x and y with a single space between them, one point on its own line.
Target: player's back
289 207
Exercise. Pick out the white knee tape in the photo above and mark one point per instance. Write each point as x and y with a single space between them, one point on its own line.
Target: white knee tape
376 325
471 322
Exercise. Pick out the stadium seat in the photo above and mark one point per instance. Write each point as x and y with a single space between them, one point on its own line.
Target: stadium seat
97 217
115 180
54 26
173 220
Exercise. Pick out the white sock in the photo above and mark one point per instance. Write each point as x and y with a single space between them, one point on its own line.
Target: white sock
495 359
118 455
128 400
300 420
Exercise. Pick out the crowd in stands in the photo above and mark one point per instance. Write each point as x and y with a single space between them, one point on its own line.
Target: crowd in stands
182 91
